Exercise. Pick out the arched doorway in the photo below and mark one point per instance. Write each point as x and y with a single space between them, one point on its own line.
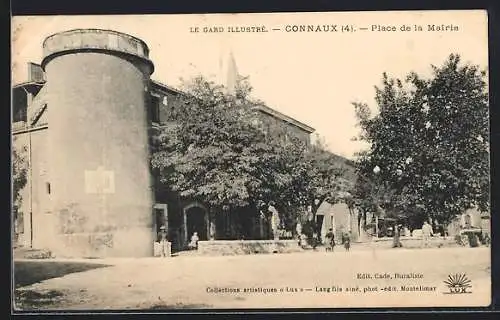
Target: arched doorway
195 219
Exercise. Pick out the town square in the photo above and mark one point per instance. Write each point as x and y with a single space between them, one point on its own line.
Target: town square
154 176
194 282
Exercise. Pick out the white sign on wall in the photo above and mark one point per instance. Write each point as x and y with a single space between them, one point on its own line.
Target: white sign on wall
99 181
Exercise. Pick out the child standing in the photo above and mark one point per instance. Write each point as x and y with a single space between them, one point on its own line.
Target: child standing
346 240
303 241
193 245
163 241
330 238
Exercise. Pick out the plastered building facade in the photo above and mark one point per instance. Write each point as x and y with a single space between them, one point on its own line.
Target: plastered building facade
83 121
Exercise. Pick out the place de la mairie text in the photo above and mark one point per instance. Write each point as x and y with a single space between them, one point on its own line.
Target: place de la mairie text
326 28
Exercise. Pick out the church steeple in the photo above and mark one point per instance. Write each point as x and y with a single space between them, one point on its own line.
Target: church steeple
228 72
232 74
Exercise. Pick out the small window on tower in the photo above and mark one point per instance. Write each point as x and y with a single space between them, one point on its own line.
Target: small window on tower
48 187
113 41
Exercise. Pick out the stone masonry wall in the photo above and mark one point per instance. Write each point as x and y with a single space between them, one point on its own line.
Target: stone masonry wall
233 247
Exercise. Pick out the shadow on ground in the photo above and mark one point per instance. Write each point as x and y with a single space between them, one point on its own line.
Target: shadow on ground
29 272
33 300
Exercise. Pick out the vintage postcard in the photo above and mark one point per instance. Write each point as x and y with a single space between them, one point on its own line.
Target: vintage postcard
243 161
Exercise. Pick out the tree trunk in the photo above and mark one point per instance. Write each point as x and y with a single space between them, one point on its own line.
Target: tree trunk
360 217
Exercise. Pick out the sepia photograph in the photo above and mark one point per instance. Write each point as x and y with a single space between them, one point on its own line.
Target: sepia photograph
250 161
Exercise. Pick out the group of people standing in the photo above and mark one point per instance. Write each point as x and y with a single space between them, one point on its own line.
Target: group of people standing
314 240
330 240
164 244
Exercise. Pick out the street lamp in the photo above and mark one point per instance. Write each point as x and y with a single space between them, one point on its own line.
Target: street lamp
376 171
376 189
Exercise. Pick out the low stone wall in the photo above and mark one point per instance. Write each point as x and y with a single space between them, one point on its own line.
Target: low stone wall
27 253
232 247
157 251
415 242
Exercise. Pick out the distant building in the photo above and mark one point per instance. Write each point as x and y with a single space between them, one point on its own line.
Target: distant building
85 116
470 219
338 217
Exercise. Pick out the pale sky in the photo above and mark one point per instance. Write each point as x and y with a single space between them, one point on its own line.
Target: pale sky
313 77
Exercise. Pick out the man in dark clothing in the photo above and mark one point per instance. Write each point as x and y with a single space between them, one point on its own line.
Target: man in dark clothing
397 233
330 238
346 240
314 240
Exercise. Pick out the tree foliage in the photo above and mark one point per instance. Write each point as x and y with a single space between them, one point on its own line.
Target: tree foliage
216 148
430 138
19 176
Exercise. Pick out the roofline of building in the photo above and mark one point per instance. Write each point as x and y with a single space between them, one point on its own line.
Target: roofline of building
29 84
259 107
26 129
165 87
84 30
284 117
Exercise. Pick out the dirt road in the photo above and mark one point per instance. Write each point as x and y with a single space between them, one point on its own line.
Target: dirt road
313 279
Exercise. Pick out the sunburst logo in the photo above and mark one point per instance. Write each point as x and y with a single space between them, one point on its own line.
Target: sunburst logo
458 283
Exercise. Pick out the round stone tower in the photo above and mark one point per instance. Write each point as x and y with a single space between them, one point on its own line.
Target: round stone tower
100 182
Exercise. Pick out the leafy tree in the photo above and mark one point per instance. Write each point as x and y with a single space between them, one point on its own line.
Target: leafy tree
430 139
317 176
19 180
217 149
208 149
